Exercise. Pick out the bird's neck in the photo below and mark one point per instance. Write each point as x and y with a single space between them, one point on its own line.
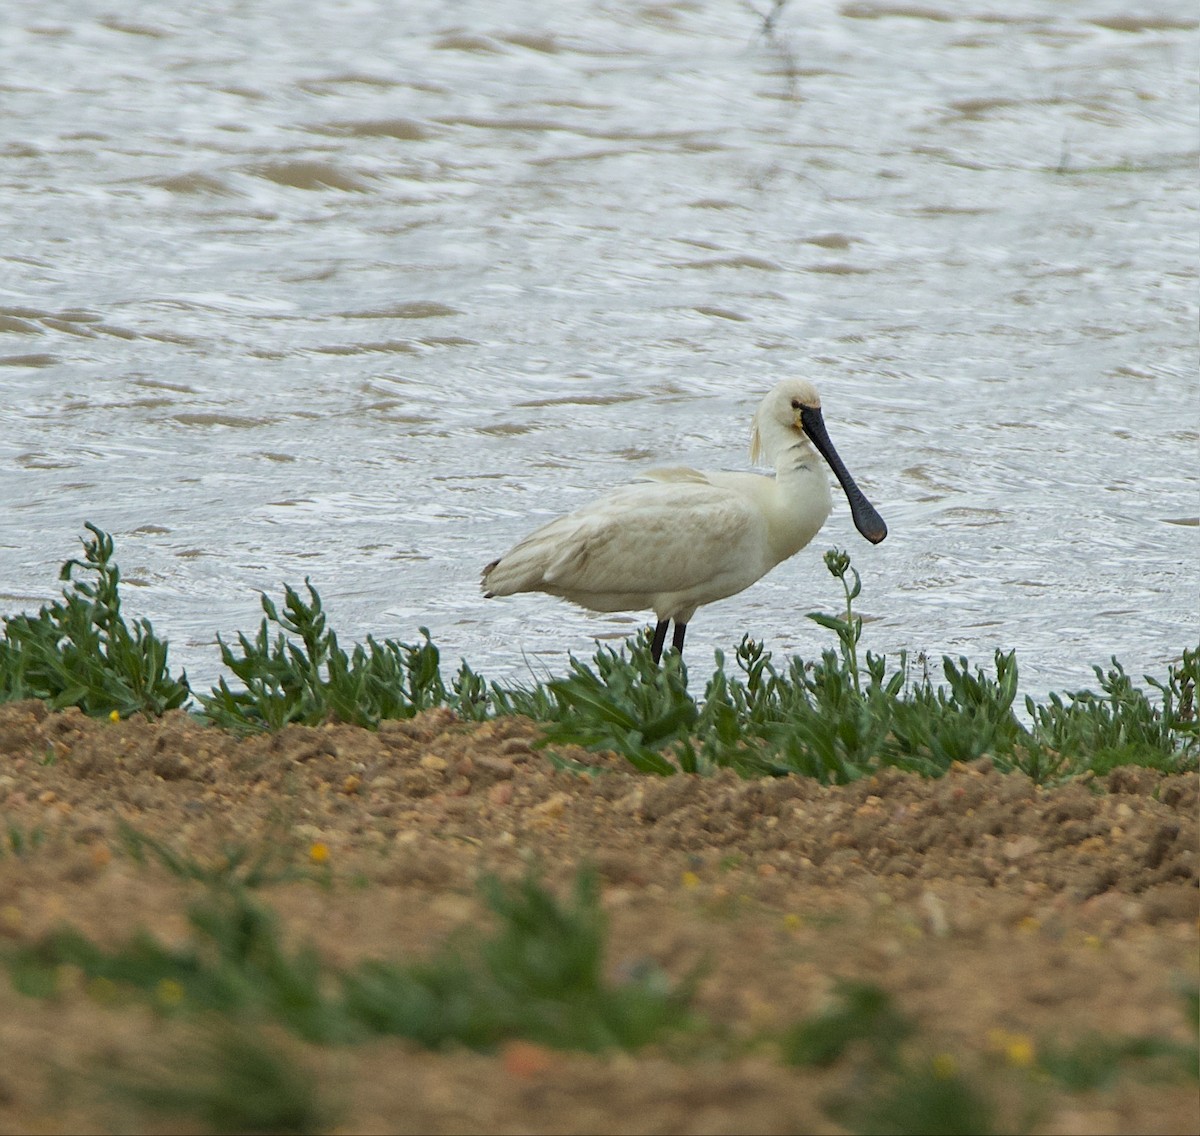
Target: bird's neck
796 458
801 500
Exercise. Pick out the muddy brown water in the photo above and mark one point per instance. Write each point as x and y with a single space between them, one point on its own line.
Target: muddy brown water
364 295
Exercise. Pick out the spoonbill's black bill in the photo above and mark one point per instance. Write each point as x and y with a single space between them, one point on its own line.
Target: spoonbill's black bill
866 519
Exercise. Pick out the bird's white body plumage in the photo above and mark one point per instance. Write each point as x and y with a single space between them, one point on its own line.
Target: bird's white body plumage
678 538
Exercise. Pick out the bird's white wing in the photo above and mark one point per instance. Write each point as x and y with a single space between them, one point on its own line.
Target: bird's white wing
675 473
663 535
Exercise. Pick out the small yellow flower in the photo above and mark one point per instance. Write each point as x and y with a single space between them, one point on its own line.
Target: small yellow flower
1019 1051
690 880
1017 1048
792 921
115 716
944 1066
169 993
318 852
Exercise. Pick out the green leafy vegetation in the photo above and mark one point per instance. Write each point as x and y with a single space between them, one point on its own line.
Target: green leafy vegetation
835 719
80 651
1121 725
893 1091
234 963
840 718
272 861
538 977
626 703
242 998
232 1079
927 1098
898 1084
15 841
1096 1061
315 680
862 1013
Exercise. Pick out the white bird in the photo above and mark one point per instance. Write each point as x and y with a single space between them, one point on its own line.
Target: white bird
678 538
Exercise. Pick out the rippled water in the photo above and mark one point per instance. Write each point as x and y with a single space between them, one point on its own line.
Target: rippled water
362 291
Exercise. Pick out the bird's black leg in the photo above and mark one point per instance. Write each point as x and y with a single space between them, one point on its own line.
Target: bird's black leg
677 639
660 637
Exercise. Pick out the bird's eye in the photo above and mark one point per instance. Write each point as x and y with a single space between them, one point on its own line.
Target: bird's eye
795 404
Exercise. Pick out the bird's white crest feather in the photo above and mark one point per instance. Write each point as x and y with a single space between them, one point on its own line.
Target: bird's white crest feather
756 448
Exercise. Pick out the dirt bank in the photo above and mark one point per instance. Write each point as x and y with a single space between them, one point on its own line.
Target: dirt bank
989 909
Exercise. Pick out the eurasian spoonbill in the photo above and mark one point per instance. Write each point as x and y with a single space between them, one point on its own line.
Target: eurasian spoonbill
678 538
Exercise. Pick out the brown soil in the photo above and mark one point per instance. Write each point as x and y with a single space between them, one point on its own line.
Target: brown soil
988 908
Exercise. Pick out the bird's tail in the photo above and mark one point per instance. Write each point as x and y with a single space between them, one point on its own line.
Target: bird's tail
510 574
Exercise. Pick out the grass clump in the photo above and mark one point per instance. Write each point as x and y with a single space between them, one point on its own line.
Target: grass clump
234 964
16 841
863 1013
1121 726
888 1091
895 1082
926 1098
232 1080
539 977
1096 1061
626 703
273 860
80 650
313 680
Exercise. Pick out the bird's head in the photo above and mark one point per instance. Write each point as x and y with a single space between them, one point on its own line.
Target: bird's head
780 417
789 416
